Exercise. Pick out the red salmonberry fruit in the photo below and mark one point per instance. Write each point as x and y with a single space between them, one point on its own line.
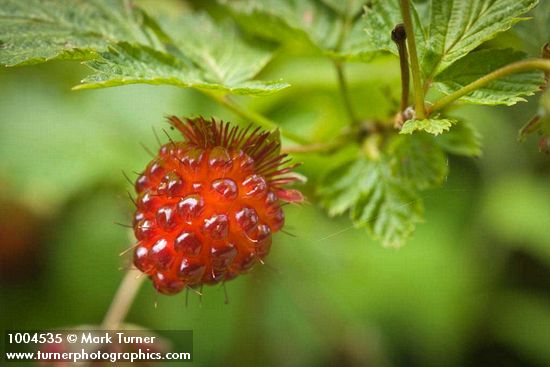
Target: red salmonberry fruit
208 206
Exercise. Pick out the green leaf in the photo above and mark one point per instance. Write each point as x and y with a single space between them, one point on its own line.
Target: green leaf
127 64
389 210
375 198
123 45
457 27
462 139
339 192
329 26
418 159
433 126
379 21
35 31
357 46
222 54
305 21
508 90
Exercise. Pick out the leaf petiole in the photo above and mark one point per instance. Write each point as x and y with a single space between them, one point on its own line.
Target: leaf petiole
516 67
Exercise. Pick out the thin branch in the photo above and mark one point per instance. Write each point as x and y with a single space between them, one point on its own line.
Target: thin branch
347 20
254 117
123 299
344 92
413 57
517 67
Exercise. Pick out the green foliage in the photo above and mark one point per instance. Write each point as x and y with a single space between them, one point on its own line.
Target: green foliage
340 29
387 207
222 52
371 34
36 31
376 199
306 21
336 28
457 27
61 154
126 46
507 90
463 139
433 126
444 46
380 20
381 193
126 64
223 56
419 160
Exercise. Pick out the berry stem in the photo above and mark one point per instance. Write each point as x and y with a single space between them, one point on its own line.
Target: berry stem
413 58
123 299
517 67
254 117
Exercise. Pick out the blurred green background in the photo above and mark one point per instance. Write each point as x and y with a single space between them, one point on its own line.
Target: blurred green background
472 288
